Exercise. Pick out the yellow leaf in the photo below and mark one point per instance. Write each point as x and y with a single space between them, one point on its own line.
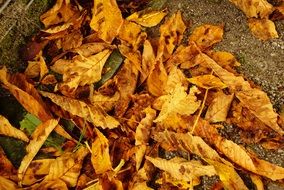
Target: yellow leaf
238 154
157 79
126 81
29 98
131 35
54 184
207 82
147 19
254 99
37 139
148 61
142 134
36 170
6 184
263 29
178 102
88 49
62 11
219 108
195 144
205 36
8 130
254 8
141 186
67 167
100 154
105 102
132 55
106 19
171 34
84 70
182 169
225 59
257 181
176 77
92 113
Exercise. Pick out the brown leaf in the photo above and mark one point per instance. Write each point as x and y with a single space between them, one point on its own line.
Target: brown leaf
8 130
219 108
54 184
106 20
7 170
205 36
72 40
37 67
254 99
100 154
67 167
147 19
171 34
263 29
37 139
6 184
92 113
254 8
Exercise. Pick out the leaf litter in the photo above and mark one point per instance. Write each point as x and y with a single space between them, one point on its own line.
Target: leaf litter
130 96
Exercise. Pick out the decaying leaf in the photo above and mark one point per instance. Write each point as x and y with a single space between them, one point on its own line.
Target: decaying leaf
142 135
7 170
7 184
219 108
62 11
106 19
100 154
257 181
171 34
92 113
37 139
263 29
178 102
205 36
67 167
254 8
8 130
207 82
148 19
254 99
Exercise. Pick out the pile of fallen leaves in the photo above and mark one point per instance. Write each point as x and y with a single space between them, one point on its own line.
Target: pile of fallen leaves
120 101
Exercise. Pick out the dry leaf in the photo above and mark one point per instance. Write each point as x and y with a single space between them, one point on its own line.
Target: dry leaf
148 61
6 184
207 82
157 79
88 49
139 186
84 70
8 130
142 135
148 19
7 170
100 154
178 102
219 107
106 19
205 36
225 60
37 139
182 169
171 34
49 79
126 80
263 29
254 99
176 77
72 40
62 11
54 184
105 102
67 167
254 8
37 67
92 113
194 144
257 181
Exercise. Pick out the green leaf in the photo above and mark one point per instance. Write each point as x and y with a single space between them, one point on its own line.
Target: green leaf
29 124
111 66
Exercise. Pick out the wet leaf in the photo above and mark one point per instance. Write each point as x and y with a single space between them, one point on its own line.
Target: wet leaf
106 19
37 139
100 154
150 19
8 130
92 113
263 29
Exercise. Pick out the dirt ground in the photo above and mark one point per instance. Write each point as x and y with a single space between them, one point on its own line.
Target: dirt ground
262 62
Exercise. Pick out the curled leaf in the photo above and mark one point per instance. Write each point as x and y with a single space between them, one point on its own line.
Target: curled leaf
263 29
207 82
148 19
